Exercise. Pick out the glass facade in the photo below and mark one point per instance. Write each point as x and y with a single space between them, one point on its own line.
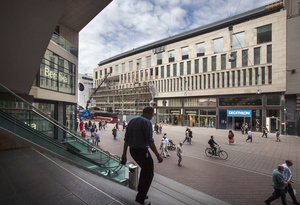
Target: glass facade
57 74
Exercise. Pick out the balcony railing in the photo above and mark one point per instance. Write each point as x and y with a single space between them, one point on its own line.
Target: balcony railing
61 41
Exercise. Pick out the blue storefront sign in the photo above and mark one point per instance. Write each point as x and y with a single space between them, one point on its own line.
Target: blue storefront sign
239 113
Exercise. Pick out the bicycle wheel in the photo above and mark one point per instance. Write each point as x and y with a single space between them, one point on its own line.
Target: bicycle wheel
208 152
223 155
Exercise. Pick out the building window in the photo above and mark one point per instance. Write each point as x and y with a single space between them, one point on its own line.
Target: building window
245 58
105 71
174 69
142 73
270 74
269 53
200 49
208 80
233 78
263 77
168 70
257 56
110 70
256 76
151 71
197 66
100 73
239 40
196 82
125 76
181 68
132 75
213 80
228 79
189 67
223 80
204 81
213 63
218 80
239 78
96 75
218 45
146 72
137 75
130 65
159 58
223 61
156 71
245 77
250 76
128 76
185 53
117 69
162 71
200 81
139 63
233 63
148 61
264 34
123 67
188 81
121 77
177 84
171 56
204 65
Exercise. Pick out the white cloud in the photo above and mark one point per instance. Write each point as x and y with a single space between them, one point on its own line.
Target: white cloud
124 25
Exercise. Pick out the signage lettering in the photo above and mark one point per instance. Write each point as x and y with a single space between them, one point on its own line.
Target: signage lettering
239 113
53 75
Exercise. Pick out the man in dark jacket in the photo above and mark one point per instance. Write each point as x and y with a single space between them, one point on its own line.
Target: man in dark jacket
212 144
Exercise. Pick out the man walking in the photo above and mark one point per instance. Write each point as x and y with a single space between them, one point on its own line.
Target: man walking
279 184
139 137
179 153
287 174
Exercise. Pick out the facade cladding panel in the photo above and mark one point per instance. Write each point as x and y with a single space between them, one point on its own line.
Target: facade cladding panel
198 70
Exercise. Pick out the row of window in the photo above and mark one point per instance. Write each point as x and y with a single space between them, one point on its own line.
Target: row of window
264 34
171 70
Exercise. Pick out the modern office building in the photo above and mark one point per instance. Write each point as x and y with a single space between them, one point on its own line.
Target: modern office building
240 70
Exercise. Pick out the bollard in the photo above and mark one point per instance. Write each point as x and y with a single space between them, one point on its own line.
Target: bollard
133 176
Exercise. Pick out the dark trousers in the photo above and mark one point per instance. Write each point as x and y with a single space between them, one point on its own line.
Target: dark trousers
276 194
291 192
143 158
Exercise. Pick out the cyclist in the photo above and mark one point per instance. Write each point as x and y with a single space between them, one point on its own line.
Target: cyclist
212 144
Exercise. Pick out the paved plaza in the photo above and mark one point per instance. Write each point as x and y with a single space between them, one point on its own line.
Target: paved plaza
244 178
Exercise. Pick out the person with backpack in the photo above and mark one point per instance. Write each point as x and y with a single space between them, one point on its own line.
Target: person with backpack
277 136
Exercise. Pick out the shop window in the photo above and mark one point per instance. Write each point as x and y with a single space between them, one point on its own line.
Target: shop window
274 100
240 101
264 34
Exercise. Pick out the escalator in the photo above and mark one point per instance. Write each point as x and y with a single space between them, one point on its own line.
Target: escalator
31 127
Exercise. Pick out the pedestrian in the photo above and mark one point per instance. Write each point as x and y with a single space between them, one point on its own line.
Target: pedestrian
162 147
123 125
93 128
160 128
266 132
167 144
263 132
100 124
187 137
249 136
246 128
117 126
190 134
277 136
243 129
97 137
230 137
114 132
287 174
139 137
81 125
86 127
83 134
179 153
103 124
279 185
90 125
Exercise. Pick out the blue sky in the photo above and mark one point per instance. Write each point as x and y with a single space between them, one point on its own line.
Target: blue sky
127 24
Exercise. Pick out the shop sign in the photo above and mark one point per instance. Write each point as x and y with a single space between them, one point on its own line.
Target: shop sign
191 112
53 75
239 113
175 112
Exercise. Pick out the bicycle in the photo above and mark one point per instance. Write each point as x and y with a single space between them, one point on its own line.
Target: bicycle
221 153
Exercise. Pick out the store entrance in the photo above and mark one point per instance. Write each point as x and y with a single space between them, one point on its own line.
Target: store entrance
238 122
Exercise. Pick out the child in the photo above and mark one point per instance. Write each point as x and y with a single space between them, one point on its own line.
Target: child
277 136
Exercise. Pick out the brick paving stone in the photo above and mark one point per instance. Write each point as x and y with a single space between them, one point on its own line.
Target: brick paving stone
245 178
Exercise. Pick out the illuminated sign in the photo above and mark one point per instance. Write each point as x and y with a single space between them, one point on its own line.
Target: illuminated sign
53 75
239 113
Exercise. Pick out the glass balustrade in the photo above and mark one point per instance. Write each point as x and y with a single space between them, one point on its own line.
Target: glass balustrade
21 118
61 41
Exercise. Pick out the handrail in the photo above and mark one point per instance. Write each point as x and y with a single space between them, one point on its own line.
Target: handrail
55 122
